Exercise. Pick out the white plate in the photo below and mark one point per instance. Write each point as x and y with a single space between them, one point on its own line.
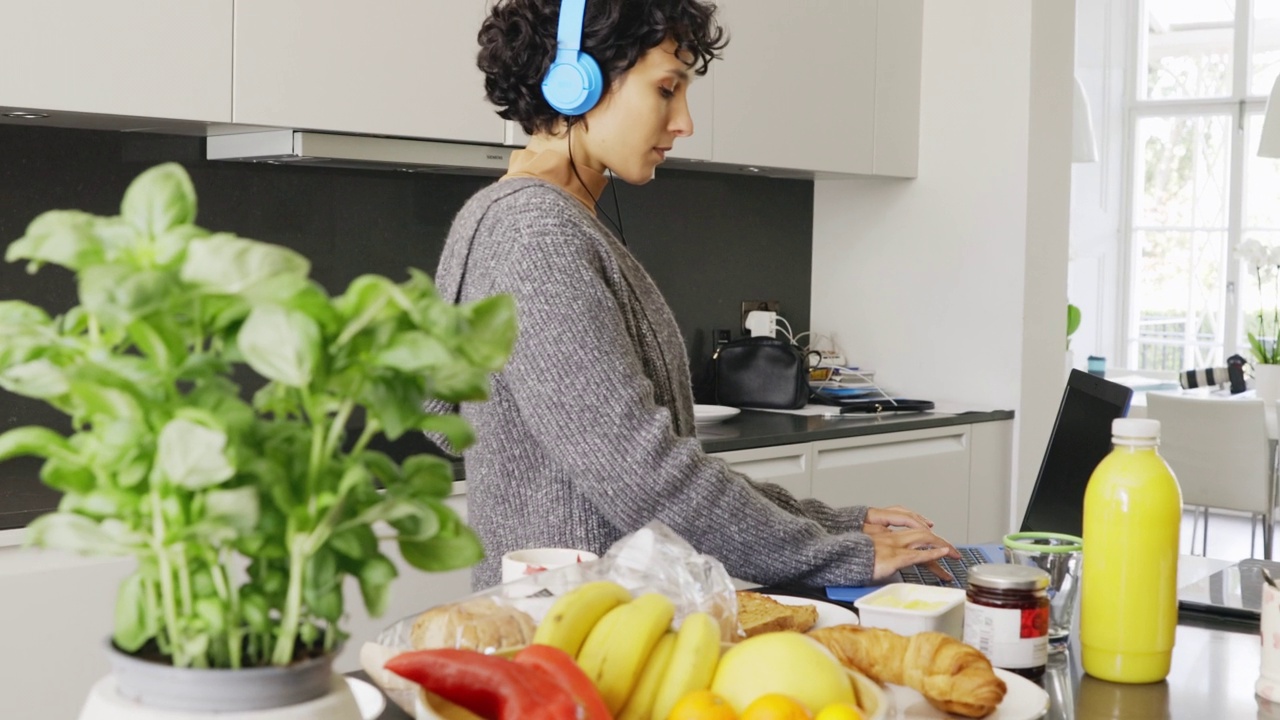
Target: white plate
828 613
711 414
1024 701
369 699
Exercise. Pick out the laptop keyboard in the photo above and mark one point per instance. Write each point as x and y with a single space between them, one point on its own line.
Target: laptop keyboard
959 569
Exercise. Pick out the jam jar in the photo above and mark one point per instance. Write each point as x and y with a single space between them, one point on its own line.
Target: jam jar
1006 616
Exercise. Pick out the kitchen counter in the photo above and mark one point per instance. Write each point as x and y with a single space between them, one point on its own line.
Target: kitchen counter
23 498
760 428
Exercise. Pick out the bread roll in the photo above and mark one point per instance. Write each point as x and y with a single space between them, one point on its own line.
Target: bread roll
479 624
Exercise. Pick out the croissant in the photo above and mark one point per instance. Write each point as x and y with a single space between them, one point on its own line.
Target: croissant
952 676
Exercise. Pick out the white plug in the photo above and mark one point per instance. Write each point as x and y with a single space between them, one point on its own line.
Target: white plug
762 323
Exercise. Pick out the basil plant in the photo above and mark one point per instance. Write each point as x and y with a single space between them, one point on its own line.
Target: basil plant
245 518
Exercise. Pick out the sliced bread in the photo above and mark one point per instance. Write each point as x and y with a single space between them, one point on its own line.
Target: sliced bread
759 613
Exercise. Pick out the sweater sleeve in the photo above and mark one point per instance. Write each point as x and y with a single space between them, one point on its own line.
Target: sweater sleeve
836 520
579 383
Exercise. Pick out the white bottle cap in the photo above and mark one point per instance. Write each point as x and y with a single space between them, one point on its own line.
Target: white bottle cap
1136 428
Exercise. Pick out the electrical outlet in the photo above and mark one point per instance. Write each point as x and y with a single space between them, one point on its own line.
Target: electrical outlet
749 305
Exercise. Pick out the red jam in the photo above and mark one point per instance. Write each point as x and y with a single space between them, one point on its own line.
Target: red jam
1007 617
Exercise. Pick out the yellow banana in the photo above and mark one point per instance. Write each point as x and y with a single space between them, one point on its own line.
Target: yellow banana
573 615
693 662
640 706
615 651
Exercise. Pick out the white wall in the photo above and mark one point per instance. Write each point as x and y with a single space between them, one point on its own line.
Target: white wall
1102 31
953 286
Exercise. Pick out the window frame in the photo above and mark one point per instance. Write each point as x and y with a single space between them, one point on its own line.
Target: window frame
1239 105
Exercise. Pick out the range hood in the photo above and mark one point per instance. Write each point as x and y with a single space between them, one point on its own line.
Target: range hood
296 147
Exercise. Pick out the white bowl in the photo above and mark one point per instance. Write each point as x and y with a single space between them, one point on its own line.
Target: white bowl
908 609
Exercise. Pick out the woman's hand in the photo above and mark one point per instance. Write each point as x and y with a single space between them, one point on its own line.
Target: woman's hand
913 544
880 519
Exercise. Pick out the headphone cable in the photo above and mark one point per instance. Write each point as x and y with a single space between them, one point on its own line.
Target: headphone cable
622 237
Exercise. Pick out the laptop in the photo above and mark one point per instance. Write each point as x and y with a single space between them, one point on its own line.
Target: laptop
1234 592
1080 438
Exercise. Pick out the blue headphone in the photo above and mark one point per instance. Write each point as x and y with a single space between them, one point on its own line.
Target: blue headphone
573 83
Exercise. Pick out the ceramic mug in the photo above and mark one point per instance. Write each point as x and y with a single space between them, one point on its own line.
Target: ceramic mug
522 563
1268 686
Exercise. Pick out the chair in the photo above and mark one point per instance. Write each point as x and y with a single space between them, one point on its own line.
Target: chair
1220 451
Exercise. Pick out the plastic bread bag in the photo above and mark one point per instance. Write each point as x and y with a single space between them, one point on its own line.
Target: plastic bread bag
504 618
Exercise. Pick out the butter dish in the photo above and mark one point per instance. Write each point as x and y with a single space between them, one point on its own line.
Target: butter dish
907 609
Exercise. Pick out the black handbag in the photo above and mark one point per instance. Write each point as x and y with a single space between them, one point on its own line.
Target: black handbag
760 372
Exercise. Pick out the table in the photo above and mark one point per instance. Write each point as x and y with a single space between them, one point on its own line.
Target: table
1138 405
1215 665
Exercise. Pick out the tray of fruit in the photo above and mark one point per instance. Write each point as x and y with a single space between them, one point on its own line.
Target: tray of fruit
655 630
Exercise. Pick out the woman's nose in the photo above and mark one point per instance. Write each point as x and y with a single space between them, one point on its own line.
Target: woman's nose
681 124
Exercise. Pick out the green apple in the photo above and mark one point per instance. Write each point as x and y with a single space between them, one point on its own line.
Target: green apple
782 662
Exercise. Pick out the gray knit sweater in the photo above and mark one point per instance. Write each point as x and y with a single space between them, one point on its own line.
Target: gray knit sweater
588 434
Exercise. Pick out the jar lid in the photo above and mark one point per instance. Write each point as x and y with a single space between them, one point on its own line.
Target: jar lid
1000 576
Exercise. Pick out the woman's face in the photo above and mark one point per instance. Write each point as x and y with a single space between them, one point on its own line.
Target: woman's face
638 120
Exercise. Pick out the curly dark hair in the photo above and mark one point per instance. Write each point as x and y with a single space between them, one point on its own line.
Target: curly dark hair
518 43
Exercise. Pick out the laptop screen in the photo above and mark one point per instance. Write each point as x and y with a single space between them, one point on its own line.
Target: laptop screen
1081 437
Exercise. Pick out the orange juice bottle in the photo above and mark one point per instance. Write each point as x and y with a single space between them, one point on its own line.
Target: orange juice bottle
1128 585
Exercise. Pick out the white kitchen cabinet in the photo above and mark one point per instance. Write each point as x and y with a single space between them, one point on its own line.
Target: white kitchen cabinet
830 86
785 465
383 67
990 468
144 58
925 470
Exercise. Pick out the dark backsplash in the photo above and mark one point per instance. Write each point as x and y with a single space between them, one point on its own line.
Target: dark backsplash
710 241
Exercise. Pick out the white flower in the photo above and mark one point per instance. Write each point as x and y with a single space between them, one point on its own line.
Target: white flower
1253 252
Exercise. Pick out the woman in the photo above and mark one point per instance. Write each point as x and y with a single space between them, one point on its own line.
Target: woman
589 431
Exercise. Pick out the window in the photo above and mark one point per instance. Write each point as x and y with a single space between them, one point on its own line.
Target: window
1198 186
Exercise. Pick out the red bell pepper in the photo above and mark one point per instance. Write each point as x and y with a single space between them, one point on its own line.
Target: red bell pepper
489 686
560 666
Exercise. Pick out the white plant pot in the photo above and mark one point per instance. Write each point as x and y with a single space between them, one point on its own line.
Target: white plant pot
1266 382
106 703
142 689
1071 363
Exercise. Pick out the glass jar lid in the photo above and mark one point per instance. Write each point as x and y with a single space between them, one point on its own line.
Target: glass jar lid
998 576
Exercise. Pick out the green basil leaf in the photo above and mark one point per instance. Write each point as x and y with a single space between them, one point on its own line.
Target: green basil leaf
225 264
120 294
17 313
213 613
69 477
238 508
171 246
160 199
95 400
61 237
321 587
78 534
281 345
192 456
134 625
395 401
38 441
428 475
444 552
356 542
454 428
414 519
457 382
375 576
36 379
413 351
491 331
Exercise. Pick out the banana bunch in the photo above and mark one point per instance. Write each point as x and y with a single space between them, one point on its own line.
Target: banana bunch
641 667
